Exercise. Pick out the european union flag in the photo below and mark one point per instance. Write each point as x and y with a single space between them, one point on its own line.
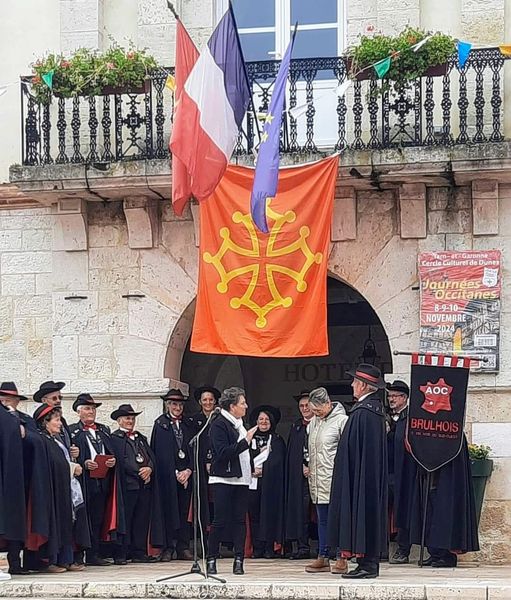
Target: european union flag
266 176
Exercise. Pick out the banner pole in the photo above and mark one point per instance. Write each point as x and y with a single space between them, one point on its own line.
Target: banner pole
472 358
424 517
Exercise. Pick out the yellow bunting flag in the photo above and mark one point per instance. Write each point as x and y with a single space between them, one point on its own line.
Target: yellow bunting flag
506 50
171 83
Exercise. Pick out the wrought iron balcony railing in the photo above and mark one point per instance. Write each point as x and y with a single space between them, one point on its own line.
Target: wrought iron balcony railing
454 107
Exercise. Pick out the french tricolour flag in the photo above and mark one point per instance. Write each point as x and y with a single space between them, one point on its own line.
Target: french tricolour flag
212 107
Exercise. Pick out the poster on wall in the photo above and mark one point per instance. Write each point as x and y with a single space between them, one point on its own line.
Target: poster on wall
460 304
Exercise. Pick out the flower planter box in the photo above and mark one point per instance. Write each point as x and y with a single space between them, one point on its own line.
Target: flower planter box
481 471
370 74
111 90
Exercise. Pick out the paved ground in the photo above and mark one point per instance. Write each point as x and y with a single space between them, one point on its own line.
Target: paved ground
277 579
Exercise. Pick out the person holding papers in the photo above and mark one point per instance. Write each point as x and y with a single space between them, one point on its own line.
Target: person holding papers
102 489
266 495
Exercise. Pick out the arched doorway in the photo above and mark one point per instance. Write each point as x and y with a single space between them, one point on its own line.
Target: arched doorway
356 334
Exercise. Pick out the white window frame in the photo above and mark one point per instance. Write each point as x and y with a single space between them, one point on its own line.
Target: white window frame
284 27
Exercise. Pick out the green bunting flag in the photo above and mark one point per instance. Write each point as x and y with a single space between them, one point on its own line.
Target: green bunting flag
48 78
382 67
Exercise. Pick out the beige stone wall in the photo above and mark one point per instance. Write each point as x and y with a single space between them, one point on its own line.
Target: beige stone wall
116 348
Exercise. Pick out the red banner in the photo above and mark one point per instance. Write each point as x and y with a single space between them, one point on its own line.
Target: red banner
265 294
460 304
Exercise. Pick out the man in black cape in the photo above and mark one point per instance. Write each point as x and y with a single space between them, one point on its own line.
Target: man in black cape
105 507
136 465
451 523
266 502
402 471
170 442
50 393
12 490
298 501
357 519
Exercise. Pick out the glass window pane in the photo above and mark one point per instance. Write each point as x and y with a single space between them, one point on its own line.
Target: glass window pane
314 43
254 13
256 46
307 12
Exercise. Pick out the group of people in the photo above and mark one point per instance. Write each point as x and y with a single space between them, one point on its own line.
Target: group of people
80 494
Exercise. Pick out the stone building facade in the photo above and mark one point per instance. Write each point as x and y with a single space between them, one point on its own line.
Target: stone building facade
100 294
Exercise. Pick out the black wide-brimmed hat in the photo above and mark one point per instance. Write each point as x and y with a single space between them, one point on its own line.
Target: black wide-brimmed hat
302 394
85 400
174 394
398 386
272 411
43 410
207 388
8 388
368 374
48 387
124 410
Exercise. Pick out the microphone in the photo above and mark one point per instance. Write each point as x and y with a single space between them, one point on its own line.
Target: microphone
213 415
215 412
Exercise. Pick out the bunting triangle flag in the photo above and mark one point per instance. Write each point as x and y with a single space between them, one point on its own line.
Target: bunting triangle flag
464 49
382 67
505 50
48 78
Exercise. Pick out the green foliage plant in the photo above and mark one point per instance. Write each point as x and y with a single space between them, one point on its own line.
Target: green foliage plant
407 65
478 451
88 73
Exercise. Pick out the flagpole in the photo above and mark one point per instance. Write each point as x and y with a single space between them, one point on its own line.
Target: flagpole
472 358
245 73
170 6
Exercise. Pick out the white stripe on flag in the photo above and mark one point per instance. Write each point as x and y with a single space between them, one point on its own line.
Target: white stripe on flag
205 86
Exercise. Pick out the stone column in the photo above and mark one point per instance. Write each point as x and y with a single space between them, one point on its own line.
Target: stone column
81 25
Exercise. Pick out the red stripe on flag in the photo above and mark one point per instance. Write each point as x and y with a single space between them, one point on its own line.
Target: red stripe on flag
186 57
192 145
427 359
441 360
415 358
454 361
466 363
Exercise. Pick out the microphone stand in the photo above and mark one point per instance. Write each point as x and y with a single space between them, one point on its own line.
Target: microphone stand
196 568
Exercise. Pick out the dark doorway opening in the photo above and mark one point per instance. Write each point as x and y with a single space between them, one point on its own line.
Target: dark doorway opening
356 335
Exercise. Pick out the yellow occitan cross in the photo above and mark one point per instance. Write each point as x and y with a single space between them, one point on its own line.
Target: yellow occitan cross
264 137
254 269
269 118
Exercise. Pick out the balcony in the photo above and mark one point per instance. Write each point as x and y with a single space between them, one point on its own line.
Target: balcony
443 130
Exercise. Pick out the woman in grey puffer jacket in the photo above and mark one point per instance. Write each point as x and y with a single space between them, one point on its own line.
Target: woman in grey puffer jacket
324 432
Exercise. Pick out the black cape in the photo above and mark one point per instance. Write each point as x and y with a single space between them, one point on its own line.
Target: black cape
296 483
272 489
357 518
403 474
451 519
119 441
12 489
114 524
164 446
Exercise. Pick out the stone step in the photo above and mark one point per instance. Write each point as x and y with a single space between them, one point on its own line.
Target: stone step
369 590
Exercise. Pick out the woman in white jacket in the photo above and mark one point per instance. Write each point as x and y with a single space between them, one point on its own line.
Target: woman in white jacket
324 432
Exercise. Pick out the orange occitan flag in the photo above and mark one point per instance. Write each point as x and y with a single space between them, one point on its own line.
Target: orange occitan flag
265 294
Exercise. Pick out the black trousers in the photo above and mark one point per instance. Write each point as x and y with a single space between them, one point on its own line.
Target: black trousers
14 554
369 563
231 504
183 534
96 507
137 512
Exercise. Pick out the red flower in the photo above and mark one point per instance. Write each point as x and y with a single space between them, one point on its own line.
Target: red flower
130 55
65 64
